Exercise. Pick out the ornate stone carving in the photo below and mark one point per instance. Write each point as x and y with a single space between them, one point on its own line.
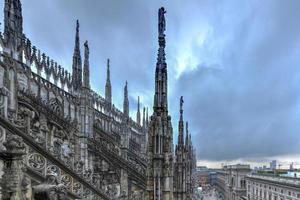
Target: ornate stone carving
14 144
56 106
53 169
36 161
67 181
77 188
86 193
78 167
87 175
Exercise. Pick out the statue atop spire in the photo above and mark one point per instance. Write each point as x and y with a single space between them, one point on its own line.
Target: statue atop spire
161 73
86 68
161 21
108 95
77 63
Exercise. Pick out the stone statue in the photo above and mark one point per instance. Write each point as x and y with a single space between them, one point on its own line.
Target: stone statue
161 21
87 50
181 103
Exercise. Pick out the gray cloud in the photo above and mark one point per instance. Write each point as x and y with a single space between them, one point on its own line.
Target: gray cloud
246 104
235 62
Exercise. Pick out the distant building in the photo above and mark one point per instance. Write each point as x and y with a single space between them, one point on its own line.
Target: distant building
220 183
206 177
273 165
270 187
231 183
213 178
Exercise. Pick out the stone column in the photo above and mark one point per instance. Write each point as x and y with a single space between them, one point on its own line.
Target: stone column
14 183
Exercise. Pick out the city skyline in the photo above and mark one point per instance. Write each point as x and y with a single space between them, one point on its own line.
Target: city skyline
234 118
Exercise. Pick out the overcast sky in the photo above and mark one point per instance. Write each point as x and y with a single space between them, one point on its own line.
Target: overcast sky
237 64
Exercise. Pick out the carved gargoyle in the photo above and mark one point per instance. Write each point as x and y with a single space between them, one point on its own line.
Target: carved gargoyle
50 190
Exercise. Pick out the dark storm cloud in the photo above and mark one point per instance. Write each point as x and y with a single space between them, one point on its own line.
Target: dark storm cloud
246 104
235 62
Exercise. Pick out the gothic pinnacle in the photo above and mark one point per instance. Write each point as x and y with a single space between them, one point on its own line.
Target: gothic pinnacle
138 114
77 63
181 125
147 117
108 92
187 134
144 117
13 24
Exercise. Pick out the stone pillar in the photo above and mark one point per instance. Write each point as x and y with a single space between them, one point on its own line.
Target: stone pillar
124 184
3 112
12 102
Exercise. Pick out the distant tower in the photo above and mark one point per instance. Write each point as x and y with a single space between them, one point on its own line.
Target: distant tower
108 95
13 24
138 113
77 63
86 67
126 101
160 138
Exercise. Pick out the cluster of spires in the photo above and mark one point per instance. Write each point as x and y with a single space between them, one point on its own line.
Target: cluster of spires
81 79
